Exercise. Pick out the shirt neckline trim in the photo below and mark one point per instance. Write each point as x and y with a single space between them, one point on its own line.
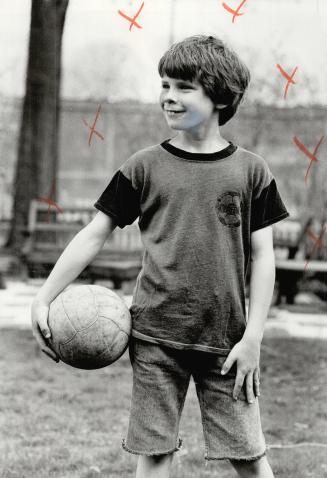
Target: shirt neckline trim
181 153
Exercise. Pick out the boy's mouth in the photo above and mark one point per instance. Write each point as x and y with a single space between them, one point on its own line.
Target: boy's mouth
171 112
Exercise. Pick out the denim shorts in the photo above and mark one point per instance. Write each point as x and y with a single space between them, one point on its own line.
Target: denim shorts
161 376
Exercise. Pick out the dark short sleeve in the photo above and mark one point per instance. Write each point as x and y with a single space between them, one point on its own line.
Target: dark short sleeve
267 206
120 200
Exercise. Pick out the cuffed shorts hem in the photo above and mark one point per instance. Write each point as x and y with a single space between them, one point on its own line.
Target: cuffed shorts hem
152 453
236 458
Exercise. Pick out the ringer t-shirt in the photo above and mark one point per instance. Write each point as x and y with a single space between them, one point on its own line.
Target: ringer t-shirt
195 213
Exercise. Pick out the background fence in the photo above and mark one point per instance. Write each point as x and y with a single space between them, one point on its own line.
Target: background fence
85 170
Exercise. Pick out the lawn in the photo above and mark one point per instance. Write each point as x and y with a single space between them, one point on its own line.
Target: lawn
60 422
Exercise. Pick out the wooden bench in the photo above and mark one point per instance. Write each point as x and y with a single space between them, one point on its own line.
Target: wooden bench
50 232
292 250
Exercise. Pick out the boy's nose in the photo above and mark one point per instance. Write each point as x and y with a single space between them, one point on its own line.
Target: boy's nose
171 95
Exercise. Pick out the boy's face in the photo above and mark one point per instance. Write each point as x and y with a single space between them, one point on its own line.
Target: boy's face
185 104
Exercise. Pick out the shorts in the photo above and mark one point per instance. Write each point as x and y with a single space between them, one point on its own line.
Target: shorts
161 376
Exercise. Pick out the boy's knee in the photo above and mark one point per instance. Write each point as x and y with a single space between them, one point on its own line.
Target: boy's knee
154 466
251 465
162 457
157 459
258 467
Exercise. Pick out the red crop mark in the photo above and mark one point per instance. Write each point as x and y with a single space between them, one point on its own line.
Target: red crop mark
92 128
311 156
132 20
48 200
289 78
317 243
236 13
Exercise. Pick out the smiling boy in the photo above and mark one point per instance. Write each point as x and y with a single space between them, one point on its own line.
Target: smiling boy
205 208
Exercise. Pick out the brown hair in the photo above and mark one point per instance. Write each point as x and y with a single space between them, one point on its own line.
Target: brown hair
206 59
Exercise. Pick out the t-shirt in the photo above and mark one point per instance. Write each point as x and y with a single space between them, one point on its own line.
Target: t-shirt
195 213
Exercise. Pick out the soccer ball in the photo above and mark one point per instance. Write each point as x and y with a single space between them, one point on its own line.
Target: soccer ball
90 326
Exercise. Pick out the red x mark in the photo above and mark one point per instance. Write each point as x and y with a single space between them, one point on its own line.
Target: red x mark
92 128
311 156
50 201
236 13
288 78
318 243
132 20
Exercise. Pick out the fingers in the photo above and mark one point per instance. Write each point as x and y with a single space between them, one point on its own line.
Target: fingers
249 388
256 380
241 377
228 364
50 354
41 330
251 385
43 343
43 323
248 371
238 384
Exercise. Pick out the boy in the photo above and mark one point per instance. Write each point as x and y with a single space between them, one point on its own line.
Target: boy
205 207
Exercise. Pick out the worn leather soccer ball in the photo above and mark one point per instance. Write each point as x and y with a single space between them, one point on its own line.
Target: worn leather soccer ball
90 326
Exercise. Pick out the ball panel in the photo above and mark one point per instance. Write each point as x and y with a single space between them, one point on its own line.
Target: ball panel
121 319
94 347
59 322
113 307
119 345
80 305
122 322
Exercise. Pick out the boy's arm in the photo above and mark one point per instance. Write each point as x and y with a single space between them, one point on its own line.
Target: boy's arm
247 352
261 282
77 255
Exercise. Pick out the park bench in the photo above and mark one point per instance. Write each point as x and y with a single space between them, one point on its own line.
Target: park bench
292 250
120 259
49 232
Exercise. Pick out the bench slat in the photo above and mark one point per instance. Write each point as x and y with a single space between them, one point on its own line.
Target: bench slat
298 265
58 227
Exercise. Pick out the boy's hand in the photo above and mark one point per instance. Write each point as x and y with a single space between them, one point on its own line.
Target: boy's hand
246 354
40 328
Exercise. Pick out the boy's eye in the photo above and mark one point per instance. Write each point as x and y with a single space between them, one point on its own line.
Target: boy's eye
182 86
185 86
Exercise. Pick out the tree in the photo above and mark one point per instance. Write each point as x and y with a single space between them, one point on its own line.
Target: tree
37 147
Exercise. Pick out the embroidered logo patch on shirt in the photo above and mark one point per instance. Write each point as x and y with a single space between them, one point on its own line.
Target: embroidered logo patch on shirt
229 208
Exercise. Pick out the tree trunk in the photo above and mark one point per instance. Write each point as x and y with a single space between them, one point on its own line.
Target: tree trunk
37 149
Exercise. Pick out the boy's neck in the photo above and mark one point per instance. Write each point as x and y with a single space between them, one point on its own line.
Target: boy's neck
206 139
192 144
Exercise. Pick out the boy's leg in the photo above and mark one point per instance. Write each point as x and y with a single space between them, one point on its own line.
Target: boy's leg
154 466
232 428
160 383
257 468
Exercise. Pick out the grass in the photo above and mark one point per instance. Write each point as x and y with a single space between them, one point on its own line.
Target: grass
60 422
